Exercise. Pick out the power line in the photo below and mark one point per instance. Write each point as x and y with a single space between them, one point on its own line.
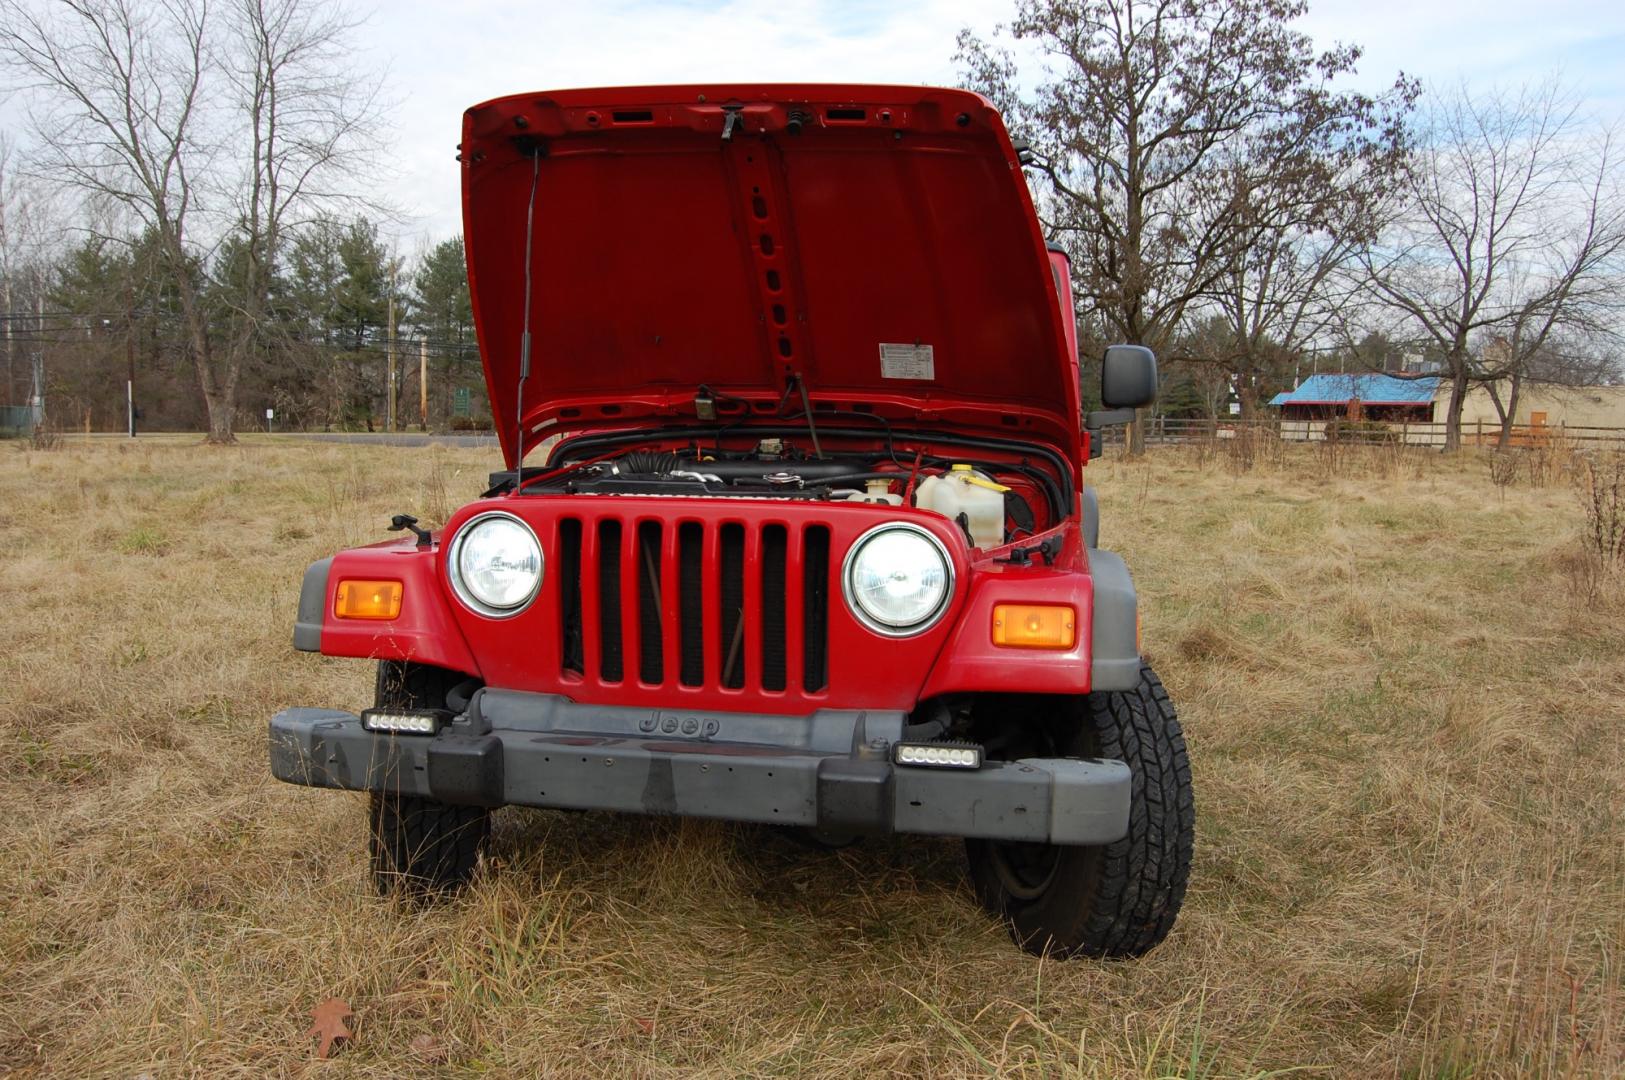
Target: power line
80 335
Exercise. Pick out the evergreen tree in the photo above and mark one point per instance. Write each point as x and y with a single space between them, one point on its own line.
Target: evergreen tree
361 301
336 298
443 313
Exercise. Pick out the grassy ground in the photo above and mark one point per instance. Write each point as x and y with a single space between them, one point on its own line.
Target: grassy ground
1404 709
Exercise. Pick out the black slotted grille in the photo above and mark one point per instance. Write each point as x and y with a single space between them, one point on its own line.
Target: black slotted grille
732 640
570 643
609 600
774 550
815 608
691 602
651 620
664 610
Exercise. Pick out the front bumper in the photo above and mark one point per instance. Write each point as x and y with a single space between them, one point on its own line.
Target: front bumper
830 770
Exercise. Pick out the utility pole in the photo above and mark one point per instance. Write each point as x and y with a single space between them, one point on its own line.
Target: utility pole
423 383
129 353
390 423
5 322
37 400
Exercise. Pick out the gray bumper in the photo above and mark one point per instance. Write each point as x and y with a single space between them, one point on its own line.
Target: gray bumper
828 770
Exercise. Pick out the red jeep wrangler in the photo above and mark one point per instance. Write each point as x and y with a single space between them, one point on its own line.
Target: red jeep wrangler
810 545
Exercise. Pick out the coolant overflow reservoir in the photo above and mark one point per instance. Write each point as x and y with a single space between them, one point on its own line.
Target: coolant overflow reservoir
963 490
876 493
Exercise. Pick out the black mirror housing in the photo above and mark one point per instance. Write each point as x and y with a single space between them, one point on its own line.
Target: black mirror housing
1128 377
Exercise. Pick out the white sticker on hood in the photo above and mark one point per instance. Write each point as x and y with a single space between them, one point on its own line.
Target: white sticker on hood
907 361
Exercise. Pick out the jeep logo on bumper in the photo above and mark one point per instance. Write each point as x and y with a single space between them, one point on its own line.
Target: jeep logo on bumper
670 723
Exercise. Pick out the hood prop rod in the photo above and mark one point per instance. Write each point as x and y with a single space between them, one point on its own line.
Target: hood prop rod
524 335
806 407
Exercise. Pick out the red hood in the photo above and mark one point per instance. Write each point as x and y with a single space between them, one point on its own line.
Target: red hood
879 241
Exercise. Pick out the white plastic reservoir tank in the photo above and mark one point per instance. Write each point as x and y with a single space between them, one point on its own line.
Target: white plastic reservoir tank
876 493
963 490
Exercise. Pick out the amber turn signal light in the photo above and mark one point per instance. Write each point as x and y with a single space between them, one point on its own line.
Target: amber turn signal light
1034 626
368 599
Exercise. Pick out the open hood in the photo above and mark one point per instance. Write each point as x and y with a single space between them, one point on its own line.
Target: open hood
878 243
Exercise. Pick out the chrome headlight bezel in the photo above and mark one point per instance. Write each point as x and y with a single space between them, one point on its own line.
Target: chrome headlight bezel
877 624
454 569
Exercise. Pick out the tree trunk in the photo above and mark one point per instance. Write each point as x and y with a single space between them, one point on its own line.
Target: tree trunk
1509 416
218 394
1136 433
1247 398
220 410
1500 411
5 331
1458 399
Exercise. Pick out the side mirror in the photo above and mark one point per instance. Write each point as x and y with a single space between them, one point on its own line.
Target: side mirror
1128 377
1128 381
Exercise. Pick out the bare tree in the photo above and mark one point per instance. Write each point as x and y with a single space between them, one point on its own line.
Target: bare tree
311 122
1289 284
1273 301
119 96
19 257
1159 130
205 124
1543 355
1513 229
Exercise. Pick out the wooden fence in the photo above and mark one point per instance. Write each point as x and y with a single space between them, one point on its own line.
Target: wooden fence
1169 431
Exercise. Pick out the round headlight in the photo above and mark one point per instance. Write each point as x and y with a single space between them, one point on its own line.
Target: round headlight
898 579
496 564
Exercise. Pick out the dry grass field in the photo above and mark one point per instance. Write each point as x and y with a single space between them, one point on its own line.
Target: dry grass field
1403 695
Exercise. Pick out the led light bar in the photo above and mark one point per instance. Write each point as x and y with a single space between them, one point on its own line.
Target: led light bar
950 755
403 721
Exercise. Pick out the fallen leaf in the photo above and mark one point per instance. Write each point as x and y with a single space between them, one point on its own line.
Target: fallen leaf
648 1026
329 1026
427 1046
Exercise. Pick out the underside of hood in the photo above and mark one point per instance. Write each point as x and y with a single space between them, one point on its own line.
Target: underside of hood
876 246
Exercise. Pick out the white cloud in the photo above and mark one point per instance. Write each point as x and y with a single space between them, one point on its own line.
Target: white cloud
445 59
1481 42
444 62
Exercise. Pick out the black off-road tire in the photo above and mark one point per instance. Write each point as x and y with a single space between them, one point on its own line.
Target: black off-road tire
421 847
1116 900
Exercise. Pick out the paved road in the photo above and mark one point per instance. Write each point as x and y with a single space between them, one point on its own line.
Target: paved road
399 438
354 438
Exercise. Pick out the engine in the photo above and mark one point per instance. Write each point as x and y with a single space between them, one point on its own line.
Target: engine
994 502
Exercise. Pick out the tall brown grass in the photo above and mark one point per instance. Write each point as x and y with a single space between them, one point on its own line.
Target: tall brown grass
1404 724
45 435
1600 482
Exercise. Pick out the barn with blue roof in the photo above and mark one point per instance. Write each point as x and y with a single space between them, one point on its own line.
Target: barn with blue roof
1386 398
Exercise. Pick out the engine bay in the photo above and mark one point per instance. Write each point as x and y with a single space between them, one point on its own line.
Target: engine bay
997 492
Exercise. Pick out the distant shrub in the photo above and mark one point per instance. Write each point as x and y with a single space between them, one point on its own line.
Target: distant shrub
1359 431
1550 456
45 436
1503 470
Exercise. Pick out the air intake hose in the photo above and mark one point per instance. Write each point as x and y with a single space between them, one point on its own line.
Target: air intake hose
648 463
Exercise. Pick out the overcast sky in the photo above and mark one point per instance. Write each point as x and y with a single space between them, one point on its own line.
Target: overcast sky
443 58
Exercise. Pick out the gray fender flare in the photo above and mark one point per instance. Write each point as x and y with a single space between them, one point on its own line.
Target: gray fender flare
307 626
1091 517
1115 659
